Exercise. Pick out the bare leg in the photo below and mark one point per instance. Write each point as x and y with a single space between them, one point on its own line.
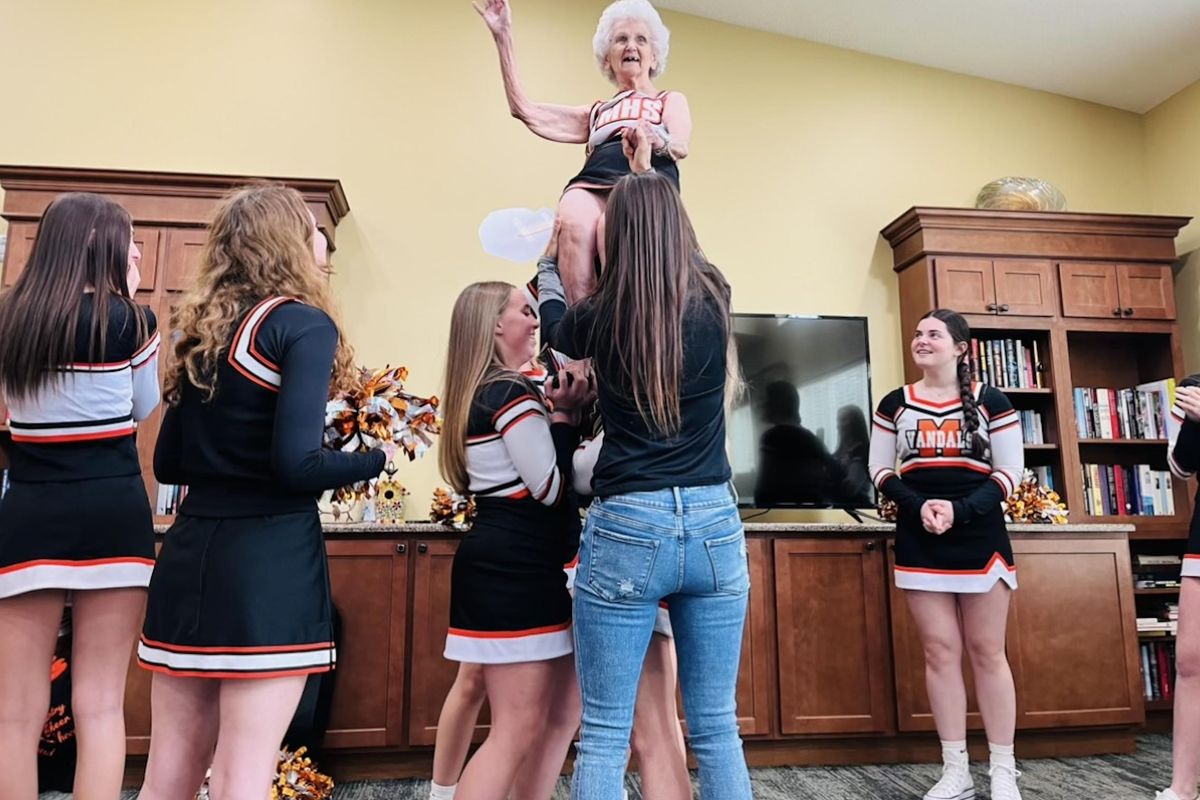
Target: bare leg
936 615
1186 735
985 620
517 696
456 724
579 212
28 631
106 623
254 716
185 714
539 774
657 738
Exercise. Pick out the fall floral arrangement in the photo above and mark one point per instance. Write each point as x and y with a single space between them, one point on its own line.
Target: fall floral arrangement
452 509
380 413
1031 503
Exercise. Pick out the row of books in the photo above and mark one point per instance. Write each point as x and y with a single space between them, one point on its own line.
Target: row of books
1143 412
1127 490
1156 570
1045 477
1032 431
1007 363
1158 670
169 498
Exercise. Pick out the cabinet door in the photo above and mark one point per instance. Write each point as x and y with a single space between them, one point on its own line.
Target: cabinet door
370 590
966 285
1147 291
1074 651
17 249
833 650
912 701
182 254
1089 290
1025 288
432 676
756 678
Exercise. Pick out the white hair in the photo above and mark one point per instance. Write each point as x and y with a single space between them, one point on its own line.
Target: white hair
640 11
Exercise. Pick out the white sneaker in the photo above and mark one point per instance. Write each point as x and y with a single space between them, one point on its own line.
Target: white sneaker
956 782
1004 782
1166 794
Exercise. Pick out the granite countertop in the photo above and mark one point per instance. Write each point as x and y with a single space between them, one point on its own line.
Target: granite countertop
802 528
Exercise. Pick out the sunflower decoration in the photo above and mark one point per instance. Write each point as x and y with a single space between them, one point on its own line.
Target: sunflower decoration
1035 503
452 509
379 413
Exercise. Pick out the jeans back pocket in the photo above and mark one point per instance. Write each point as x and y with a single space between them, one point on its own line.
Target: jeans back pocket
618 565
731 570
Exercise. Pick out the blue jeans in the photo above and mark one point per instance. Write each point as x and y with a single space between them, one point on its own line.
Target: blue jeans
685 546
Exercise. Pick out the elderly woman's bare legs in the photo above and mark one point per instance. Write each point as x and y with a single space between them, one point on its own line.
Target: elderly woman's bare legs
579 214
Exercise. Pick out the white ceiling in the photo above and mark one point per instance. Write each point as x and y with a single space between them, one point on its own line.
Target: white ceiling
1129 54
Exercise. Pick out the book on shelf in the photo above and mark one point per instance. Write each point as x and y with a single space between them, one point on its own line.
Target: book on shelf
1158 670
1045 477
1127 490
169 498
1007 363
1139 412
1032 429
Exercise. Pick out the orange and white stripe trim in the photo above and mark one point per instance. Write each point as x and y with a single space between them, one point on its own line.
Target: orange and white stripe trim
99 573
509 647
245 357
236 662
954 581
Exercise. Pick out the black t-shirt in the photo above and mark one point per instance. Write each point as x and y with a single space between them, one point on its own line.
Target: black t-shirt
636 457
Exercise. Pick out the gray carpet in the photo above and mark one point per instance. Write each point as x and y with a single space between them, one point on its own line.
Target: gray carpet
1131 777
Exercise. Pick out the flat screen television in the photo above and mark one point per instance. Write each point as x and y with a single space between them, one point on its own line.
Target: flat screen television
799 435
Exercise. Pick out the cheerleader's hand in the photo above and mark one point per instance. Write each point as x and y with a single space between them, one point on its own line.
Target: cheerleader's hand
496 15
551 251
657 143
389 450
568 392
929 518
1188 399
636 146
944 513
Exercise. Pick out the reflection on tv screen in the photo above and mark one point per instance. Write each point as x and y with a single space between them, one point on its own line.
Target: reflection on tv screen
800 436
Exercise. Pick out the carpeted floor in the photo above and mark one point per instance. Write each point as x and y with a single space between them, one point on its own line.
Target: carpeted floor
1131 777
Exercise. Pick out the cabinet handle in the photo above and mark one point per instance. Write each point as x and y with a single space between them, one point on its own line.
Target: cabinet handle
991 307
1128 312
1004 308
1116 312
422 548
869 547
401 548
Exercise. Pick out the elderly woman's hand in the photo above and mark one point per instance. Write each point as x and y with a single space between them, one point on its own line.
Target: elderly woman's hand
635 143
496 15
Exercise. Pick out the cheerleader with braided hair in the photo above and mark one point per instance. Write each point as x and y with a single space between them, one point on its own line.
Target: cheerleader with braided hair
948 451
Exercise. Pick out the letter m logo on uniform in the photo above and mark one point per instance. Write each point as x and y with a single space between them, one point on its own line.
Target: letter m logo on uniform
934 439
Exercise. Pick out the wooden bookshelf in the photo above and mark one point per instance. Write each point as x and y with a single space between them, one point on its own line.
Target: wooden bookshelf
1160 705
1160 591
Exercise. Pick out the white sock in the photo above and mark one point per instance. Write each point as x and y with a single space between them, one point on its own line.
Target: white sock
439 792
953 748
1003 755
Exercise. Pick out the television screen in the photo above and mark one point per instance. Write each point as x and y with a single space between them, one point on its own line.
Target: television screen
799 435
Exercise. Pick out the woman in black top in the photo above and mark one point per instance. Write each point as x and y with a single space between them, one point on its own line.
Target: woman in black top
664 521
239 608
78 369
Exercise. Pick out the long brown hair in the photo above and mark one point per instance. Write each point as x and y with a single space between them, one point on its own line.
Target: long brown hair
472 361
82 241
655 271
960 333
259 246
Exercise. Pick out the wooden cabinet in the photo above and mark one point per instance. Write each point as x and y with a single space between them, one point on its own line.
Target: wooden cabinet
756 675
17 250
1117 291
833 645
431 676
1073 607
1016 287
370 590
1074 651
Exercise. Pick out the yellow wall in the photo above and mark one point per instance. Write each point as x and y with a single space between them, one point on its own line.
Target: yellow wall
801 154
1172 133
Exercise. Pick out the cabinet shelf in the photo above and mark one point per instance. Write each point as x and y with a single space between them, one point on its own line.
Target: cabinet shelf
1048 447
1160 705
1026 391
1162 590
1124 442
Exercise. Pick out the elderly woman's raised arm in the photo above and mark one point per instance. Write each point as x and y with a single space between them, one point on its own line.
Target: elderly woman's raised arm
558 123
